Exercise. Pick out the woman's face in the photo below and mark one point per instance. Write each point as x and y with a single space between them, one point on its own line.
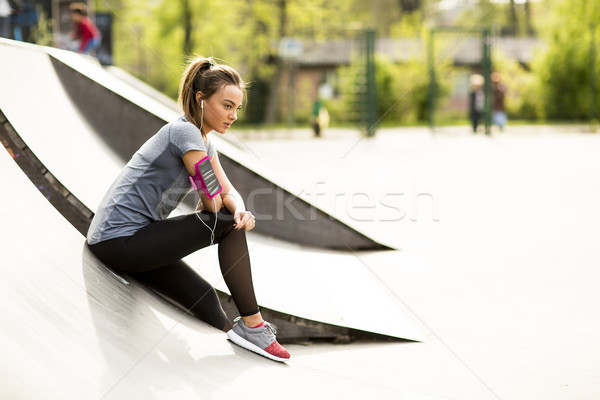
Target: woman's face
220 110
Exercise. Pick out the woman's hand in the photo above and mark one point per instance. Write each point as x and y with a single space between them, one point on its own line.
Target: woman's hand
244 219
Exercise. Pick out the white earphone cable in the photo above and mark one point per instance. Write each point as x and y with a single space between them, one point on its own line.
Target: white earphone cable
212 230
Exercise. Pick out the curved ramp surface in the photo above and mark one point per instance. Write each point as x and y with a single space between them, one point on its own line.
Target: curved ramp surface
342 292
73 330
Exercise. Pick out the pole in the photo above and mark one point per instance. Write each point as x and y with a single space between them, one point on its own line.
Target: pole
593 115
55 19
487 87
291 94
371 95
431 89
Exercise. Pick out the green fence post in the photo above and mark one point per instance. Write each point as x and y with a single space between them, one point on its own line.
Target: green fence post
593 116
371 95
487 72
431 89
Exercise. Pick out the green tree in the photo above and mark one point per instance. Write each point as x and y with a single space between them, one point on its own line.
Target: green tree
564 69
402 89
153 39
522 97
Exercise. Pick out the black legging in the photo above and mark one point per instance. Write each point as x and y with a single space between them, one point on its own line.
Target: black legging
153 256
475 118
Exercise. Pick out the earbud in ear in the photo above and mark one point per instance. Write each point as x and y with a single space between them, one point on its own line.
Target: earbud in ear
202 104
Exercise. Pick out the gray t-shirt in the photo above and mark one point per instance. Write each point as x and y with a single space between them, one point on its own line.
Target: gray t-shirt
151 185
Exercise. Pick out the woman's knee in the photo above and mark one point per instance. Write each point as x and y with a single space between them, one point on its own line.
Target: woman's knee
225 224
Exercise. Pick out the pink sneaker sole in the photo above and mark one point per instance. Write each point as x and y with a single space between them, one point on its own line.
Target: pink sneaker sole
274 352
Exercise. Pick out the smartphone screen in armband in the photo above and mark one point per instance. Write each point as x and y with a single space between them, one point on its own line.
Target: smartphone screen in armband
206 178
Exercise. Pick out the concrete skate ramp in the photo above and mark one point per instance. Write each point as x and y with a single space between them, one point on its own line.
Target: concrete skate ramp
89 110
73 330
302 284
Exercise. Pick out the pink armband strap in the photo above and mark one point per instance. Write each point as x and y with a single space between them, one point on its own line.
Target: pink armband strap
205 178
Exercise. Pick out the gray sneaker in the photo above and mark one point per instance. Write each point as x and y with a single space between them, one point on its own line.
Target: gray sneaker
260 340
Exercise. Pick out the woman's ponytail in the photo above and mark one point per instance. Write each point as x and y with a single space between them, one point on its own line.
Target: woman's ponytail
202 75
189 87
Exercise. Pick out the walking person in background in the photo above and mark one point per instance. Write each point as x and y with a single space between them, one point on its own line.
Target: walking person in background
24 21
315 117
7 9
499 116
84 29
320 117
476 100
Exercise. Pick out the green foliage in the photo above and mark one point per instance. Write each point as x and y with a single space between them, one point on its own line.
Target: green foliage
42 32
483 13
402 91
318 20
390 100
149 42
244 33
522 97
402 86
380 15
564 69
410 25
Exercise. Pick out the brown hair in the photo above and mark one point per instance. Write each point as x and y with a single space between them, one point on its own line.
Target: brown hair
78 8
203 75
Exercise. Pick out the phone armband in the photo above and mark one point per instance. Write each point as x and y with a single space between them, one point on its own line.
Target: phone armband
205 178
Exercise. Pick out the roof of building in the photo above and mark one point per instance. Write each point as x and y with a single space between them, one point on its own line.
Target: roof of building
465 50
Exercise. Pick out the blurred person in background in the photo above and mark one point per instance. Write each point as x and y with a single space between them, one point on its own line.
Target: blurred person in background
84 29
24 21
7 9
499 116
320 117
315 117
476 100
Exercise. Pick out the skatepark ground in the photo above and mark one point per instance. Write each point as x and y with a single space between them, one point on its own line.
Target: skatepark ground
498 262
502 271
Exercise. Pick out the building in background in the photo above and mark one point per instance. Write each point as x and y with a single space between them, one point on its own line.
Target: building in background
316 71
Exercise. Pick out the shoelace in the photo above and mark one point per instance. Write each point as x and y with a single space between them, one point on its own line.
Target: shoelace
270 329
267 325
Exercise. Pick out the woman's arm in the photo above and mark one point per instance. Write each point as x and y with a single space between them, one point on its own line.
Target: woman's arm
229 197
232 199
190 159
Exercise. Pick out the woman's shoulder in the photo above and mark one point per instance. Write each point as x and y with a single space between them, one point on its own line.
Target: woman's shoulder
183 131
182 124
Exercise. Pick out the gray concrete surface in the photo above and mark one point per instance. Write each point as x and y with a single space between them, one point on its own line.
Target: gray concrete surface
505 285
503 270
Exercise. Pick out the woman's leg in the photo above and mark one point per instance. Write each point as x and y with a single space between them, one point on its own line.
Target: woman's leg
163 243
181 285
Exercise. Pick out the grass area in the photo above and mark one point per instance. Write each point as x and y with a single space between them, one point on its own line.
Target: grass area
438 123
